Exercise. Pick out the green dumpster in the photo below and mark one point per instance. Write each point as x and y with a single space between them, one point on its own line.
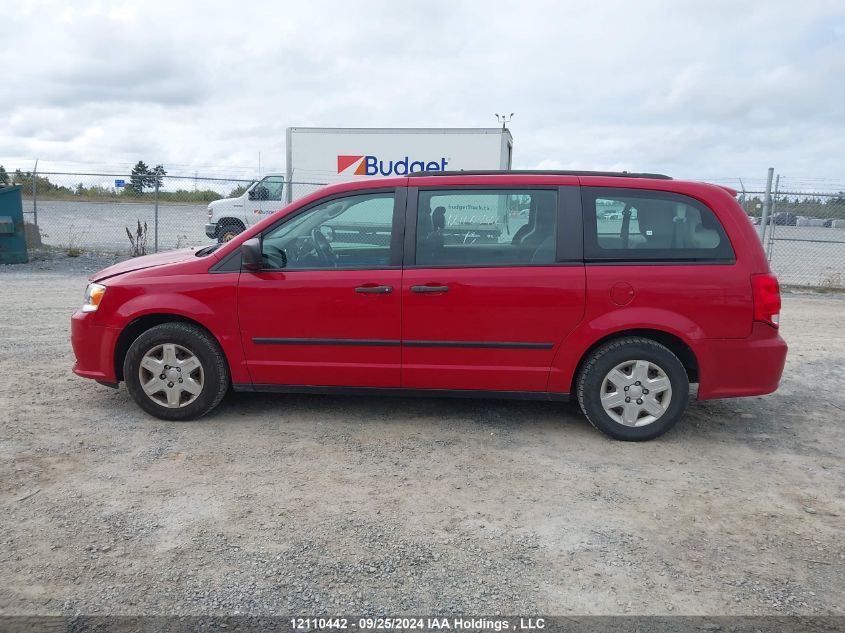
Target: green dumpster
12 233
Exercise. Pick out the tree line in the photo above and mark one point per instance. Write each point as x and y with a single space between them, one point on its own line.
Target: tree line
809 206
141 183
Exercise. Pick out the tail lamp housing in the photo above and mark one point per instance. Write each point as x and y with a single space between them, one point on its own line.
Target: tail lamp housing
766 293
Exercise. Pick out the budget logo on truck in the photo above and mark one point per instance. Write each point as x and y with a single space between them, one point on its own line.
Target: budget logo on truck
367 165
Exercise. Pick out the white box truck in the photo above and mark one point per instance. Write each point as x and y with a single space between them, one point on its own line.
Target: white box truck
320 156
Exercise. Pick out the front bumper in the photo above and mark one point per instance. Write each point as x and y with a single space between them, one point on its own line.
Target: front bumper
93 346
211 230
733 368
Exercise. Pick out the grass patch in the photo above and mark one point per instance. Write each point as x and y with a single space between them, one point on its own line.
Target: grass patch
819 290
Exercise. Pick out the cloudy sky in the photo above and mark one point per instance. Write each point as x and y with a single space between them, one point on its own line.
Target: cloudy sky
713 89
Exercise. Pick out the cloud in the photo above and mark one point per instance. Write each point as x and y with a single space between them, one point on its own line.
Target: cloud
698 90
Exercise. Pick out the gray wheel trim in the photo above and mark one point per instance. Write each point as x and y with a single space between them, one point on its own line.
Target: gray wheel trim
169 371
636 393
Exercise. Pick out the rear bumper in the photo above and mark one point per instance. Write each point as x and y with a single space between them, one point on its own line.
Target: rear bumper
733 368
211 229
93 346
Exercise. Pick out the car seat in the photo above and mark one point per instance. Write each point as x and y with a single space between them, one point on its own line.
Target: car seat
438 219
429 234
544 223
545 253
528 226
700 230
657 224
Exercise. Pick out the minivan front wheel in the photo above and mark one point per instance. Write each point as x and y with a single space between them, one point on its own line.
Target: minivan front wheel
633 389
176 371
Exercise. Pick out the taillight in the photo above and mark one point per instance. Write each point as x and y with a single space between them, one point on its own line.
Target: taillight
766 293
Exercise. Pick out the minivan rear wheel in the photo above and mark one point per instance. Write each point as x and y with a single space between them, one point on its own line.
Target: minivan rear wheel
633 389
176 371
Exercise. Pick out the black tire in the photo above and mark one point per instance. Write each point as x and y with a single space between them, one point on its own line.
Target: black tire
599 364
203 346
228 228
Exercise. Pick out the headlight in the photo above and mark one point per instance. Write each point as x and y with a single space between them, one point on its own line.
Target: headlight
210 213
93 295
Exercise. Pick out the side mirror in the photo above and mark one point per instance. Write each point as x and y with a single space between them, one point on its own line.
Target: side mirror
251 194
251 255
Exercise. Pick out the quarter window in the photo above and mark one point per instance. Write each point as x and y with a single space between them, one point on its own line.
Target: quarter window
469 227
633 224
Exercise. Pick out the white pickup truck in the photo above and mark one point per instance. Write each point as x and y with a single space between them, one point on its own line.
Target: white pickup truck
230 216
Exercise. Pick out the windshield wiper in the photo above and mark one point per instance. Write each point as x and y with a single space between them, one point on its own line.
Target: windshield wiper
205 250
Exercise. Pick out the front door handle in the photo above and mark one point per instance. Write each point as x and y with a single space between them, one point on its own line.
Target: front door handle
374 290
429 288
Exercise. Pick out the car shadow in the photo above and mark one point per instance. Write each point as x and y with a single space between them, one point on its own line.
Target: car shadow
402 409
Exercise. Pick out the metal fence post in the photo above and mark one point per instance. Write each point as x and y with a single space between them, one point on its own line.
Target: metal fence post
767 205
35 195
771 242
155 242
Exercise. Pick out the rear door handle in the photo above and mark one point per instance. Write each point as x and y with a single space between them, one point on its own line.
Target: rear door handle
374 290
429 288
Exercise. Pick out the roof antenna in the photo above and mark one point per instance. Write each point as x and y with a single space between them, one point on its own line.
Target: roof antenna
504 120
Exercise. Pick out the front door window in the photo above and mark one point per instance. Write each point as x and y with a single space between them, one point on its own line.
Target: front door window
346 233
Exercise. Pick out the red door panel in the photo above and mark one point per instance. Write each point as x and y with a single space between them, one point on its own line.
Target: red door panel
325 328
705 301
691 302
491 329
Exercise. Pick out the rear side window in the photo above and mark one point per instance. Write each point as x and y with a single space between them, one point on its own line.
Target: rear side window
641 225
476 227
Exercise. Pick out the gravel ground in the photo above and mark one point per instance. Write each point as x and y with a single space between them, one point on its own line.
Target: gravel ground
317 504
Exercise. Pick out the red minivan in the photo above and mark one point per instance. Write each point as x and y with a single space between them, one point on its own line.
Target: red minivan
619 289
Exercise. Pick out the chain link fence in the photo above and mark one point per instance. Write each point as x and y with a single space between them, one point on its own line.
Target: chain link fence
804 236
122 214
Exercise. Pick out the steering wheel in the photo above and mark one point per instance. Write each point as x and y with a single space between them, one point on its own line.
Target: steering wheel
275 256
324 249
